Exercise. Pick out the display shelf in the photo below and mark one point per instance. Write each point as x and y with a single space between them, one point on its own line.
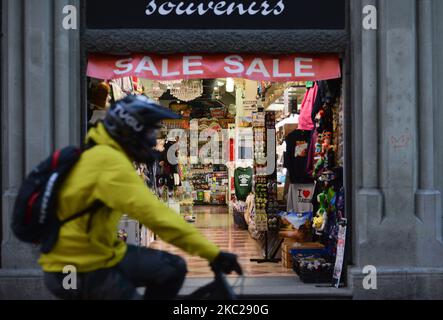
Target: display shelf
265 190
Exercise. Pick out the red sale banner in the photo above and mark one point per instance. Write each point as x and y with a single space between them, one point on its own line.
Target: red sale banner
277 68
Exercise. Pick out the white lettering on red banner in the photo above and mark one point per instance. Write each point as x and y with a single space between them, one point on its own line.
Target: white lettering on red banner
174 67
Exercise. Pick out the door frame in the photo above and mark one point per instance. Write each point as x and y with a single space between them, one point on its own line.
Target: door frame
283 42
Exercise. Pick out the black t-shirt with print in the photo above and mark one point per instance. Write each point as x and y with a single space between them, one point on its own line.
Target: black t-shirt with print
296 156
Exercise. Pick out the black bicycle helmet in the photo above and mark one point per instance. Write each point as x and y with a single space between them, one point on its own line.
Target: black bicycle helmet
132 122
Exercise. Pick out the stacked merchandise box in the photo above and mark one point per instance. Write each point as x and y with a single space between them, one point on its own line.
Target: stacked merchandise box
286 255
293 250
314 269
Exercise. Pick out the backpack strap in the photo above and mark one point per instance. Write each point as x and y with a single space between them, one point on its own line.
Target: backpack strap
89 145
90 210
96 205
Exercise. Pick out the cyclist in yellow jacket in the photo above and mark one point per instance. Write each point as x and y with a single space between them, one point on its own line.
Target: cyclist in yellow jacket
106 267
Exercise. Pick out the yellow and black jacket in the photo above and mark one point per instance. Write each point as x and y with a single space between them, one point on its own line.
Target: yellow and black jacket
106 173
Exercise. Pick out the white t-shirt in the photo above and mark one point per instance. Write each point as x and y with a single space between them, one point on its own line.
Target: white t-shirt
300 198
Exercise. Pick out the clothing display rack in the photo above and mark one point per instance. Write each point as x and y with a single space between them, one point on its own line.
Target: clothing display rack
269 257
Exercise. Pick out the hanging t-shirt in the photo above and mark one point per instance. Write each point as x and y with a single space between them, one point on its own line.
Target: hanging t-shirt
296 156
117 91
97 116
125 84
300 198
137 85
305 119
243 182
312 152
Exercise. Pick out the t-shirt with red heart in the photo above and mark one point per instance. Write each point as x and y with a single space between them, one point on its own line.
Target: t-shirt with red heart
300 198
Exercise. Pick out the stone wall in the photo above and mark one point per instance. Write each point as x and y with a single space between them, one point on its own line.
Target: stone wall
437 84
40 112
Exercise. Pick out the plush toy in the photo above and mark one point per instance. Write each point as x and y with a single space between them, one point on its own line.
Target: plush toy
332 199
320 119
322 199
321 217
319 165
324 151
326 145
318 145
318 221
327 149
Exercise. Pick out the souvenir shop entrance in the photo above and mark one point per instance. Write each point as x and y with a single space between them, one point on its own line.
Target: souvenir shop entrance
256 162
260 147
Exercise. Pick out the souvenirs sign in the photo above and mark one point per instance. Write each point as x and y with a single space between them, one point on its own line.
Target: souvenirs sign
205 14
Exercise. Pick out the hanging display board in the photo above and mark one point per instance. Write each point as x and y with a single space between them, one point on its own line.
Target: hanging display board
338 268
200 66
204 14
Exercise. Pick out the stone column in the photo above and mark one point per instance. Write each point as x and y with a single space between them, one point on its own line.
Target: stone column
366 94
437 78
399 235
13 123
40 111
67 85
428 199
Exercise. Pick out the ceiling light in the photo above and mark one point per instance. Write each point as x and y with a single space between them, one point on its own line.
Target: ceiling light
230 85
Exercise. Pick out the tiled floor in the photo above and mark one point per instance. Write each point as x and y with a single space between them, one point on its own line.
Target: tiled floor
216 224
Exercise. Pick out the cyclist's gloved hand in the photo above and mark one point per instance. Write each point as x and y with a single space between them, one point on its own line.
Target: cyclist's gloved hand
226 263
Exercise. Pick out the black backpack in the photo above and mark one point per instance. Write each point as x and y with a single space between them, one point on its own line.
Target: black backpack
34 218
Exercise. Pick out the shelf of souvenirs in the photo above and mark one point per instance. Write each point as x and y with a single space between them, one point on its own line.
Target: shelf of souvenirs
204 123
206 169
213 189
213 171
176 124
208 197
204 184
207 122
